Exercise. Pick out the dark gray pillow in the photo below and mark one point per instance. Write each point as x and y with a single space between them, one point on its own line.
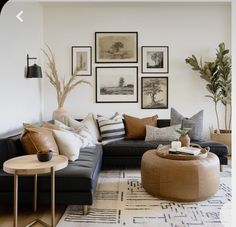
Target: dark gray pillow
195 123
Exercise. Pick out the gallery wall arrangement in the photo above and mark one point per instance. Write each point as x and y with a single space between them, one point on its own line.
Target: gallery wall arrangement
119 84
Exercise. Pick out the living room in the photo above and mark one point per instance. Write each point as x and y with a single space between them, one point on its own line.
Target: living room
177 30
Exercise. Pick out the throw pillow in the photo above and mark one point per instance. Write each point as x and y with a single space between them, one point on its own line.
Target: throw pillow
36 139
136 127
162 134
68 143
63 126
195 123
51 126
89 122
112 129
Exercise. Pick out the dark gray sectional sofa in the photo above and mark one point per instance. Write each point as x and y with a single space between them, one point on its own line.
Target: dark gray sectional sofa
76 183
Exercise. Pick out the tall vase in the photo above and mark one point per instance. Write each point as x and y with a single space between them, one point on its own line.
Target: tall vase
60 114
185 140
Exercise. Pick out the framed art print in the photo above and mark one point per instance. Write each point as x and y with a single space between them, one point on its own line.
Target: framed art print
116 84
116 47
154 92
155 59
81 60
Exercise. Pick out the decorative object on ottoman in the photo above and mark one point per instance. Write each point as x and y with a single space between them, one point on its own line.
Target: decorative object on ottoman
184 137
44 156
62 88
181 179
175 144
218 75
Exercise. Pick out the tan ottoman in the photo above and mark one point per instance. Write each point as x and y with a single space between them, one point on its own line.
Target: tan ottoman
180 180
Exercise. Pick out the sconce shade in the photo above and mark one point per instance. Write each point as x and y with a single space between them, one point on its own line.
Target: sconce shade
34 71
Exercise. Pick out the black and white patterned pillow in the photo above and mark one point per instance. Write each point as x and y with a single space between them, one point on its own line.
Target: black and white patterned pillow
111 129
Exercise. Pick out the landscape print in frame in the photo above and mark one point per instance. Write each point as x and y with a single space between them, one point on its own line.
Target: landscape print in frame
81 60
116 84
155 59
154 92
116 47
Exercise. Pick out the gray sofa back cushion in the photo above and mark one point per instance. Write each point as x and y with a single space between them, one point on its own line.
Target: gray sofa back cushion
195 123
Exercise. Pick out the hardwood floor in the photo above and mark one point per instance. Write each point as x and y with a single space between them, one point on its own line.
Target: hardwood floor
26 215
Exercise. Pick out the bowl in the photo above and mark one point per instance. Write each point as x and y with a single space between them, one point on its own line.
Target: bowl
44 156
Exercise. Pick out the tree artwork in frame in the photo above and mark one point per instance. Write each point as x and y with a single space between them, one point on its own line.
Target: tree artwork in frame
154 91
116 84
155 59
116 47
81 60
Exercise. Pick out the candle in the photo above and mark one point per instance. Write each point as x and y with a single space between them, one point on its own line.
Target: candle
175 144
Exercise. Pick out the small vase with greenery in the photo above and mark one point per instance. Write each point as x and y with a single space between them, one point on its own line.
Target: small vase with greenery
184 137
62 87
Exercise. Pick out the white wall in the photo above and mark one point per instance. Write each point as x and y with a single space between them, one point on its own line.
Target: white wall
20 98
186 29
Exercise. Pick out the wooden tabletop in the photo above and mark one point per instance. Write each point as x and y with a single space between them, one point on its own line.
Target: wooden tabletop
29 165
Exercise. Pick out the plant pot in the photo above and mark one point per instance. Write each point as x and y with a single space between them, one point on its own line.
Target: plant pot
185 141
223 137
44 156
60 114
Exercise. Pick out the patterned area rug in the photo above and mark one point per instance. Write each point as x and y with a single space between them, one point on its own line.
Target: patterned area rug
120 200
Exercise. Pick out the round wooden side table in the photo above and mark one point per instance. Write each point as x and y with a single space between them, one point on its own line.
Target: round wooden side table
29 165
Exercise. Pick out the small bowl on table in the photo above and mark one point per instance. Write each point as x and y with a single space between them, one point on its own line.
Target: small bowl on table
44 156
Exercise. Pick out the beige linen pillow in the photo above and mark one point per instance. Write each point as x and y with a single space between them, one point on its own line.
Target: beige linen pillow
68 143
162 134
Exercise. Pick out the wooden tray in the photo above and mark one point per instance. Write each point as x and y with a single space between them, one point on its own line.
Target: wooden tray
164 153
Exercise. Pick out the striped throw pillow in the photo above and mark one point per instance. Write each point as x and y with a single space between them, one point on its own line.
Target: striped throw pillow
111 129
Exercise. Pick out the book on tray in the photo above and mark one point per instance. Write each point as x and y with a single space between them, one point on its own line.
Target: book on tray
185 151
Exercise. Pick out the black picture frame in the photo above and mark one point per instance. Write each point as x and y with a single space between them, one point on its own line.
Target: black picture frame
107 52
85 61
155 59
124 92
146 101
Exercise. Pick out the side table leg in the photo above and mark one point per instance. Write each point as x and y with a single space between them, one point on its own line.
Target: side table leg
53 196
15 199
35 191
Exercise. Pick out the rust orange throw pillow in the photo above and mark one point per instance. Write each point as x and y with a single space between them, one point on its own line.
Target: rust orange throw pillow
36 139
136 127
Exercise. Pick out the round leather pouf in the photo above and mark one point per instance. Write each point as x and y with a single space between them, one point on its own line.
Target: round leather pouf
180 180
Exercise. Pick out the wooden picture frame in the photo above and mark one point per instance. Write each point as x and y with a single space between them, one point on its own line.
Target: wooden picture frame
154 92
116 47
116 84
81 60
155 59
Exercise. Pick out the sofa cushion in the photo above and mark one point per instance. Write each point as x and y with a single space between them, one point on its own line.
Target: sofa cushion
80 175
136 127
36 139
162 134
9 148
195 123
129 147
111 129
68 143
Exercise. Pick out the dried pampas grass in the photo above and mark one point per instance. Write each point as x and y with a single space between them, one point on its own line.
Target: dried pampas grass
62 88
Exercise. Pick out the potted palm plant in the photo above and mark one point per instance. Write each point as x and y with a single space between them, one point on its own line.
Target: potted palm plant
217 73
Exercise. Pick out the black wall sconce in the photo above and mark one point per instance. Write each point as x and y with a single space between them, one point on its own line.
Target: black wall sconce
33 71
